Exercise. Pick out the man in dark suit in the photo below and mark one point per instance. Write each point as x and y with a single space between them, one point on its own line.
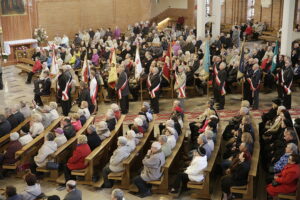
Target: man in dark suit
65 83
84 95
287 80
247 95
153 84
122 88
11 118
254 83
219 85
73 192
5 126
17 114
42 87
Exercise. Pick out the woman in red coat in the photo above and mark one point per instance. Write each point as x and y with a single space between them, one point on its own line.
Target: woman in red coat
76 162
286 181
36 67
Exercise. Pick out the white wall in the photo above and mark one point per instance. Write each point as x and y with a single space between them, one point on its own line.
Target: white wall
162 5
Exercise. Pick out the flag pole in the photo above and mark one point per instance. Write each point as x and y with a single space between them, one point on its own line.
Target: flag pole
141 88
243 78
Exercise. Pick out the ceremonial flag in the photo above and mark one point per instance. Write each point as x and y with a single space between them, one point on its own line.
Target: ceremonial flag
54 65
112 75
241 70
85 72
274 60
206 60
138 64
168 64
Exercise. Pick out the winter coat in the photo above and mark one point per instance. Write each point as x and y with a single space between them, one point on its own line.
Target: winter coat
12 148
36 128
116 160
152 166
31 192
48 148
78 157
196 169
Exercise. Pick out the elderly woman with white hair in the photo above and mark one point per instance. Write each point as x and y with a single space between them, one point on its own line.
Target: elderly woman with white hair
36 126
131 139
102 130
116 161
25 109
115 107
117 194
110 119
8 157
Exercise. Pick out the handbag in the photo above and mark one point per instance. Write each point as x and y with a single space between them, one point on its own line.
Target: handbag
52 165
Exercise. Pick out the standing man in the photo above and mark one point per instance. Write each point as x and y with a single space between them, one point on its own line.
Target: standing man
180 84
123 89
153 84
64 89
1 81
219 85
73 192
93 91
248 74
286 83
254 83
42 87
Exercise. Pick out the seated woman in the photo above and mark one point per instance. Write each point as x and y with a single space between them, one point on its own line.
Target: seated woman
102 130
170 125
116 161
60 138
115 107
131 142
177 108
85 107
171 138
75 121
13 146
152 162
36 126
47 148
76 161
25 109
36 68
212 118
147 109
195 172
110 119
33 189
165 147
25 136
237 175
286 181
145 122
82 117
53 110
137 127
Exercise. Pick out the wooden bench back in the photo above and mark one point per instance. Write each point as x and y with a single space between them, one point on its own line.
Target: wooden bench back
34 145
26 61
5 139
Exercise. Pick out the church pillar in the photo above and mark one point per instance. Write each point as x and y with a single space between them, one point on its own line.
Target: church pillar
201 18
216 25
287 27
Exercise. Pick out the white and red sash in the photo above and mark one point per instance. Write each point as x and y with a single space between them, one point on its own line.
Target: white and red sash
152 92
65 96
93 90
286 89
122 88
181 89
218 81
252 87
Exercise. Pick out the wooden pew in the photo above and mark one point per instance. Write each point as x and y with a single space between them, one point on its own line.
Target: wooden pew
25 64
4 140
248 190
99 156
134 160
64 152
162 186
204 189
291 196
26 154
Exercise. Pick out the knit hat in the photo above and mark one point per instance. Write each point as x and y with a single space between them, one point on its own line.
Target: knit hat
201 151
59 131
14 136
156 145
122 140
102 126
138 121
170 123
115 107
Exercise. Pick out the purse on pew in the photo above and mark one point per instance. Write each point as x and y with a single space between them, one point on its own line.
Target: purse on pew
52 165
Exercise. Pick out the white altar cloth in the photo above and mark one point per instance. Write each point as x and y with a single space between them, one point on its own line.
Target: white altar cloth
7 44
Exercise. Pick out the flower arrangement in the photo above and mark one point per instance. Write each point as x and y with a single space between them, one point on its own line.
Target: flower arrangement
40 34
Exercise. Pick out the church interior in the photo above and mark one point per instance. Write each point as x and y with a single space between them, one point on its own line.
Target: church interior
150 99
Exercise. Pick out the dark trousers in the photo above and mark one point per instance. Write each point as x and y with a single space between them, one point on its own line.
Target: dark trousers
194 132
181 181
154 104
255 99
29 78
38 100
68 175
124 104
287 100
279 91
268 81
247 93
226 183
66 107
105 172
1 82
142 185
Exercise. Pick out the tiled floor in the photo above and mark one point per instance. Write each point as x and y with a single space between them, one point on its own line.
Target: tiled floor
16 90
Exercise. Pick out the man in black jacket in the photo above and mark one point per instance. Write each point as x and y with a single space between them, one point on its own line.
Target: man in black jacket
17 114
11 118
5 126
254 83
93 138
64 83
122 88
287 80
42 87
84 95
219 85
68 128
153 84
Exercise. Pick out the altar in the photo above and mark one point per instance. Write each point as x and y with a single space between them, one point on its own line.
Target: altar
11 47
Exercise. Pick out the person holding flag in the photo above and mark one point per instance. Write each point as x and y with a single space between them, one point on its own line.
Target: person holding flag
153 84
112 75
85 72
180 84
286 83
93 92
254 82
122 89
219 85
64 89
